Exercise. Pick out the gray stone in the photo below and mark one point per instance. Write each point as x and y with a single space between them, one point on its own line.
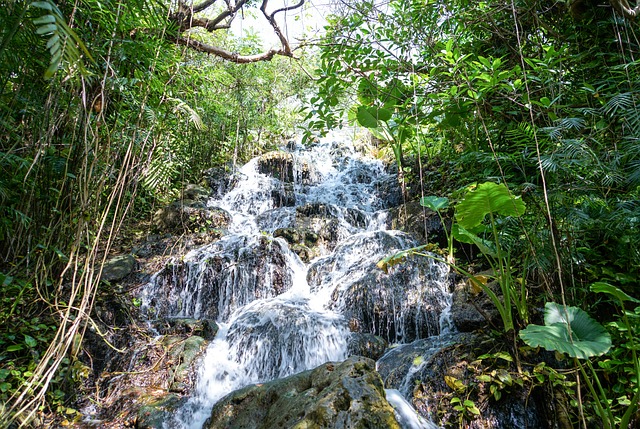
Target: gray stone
472 309
117 268
346 395
420 222
189 216
196 193
367 345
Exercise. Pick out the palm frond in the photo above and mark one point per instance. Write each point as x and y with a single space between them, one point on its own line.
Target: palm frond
194 117
63 43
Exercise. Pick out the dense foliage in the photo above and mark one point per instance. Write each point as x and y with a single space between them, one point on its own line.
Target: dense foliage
534 94
103 114
519 115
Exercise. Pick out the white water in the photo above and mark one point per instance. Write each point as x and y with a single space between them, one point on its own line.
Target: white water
272 322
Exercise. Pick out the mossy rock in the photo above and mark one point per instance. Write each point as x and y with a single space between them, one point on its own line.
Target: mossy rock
346 394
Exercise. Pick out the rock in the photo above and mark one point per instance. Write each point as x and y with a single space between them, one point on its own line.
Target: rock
389 191
184 353
467 300
205 328
117 268
195 193
367 345
401 303
220 180
421 223
431 372
278 165
346 395
189 217
154 414
221 277
279 337
287 168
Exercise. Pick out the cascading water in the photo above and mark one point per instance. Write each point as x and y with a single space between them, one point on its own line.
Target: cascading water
277 315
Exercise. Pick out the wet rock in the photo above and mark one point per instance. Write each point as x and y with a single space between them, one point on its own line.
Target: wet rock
117 268
204 328
278 165
431 372
400 304
332 396
421 223
303 241
154 414
283 195
472 309
280 337
188 217
185 353
217 279
287 168
367 345
389 191
220 180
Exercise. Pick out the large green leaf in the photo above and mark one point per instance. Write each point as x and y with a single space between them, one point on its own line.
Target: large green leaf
487 198
434 203
469 237
568 330
602 287
368 117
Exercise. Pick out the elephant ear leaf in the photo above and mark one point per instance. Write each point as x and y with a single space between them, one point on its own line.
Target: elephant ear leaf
435 203
487 198
568 330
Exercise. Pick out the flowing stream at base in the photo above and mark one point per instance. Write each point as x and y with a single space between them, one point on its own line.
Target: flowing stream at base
279 316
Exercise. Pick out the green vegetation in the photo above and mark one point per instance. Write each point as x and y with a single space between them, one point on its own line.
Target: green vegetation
541 99
518 120
108 108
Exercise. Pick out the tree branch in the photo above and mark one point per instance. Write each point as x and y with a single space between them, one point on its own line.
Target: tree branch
624 9
233 57
184 18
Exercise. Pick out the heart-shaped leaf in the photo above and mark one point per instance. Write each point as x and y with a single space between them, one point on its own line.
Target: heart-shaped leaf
568 330
487 198
434 203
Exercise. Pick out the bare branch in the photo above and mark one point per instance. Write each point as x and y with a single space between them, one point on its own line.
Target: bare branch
624 9
202 6
184 18
272 20
231 56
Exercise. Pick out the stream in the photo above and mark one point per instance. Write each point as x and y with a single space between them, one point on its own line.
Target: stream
294 279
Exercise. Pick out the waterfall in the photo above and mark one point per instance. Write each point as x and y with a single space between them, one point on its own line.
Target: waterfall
296 273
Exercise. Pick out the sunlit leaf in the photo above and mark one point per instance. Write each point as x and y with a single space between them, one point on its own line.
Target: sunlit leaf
487 198
568 330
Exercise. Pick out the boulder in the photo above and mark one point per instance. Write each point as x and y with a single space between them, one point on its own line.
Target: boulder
278 165
205 328
345 395
189 216
195 193
117 268
157 411
401 303
217 279
287 168
220 180
367 345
